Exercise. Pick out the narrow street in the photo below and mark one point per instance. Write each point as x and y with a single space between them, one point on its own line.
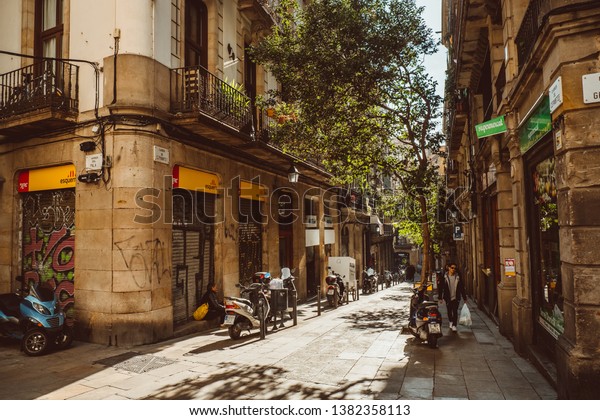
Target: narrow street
357 351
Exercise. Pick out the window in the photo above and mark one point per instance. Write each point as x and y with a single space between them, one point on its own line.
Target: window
196 33
175 32
49 28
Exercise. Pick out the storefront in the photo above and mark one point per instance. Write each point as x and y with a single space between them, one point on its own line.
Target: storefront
47 198
542 209
251 218
195 194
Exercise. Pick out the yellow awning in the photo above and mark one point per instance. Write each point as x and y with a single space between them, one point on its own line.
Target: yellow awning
52 178
194 180
251 191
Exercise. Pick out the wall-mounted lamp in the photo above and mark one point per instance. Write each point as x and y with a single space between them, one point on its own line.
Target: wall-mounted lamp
293 174
230 52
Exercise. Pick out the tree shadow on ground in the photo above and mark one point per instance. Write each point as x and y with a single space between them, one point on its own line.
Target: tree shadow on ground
383 319
235 381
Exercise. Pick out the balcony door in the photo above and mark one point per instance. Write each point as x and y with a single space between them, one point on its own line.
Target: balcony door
48 28
196 34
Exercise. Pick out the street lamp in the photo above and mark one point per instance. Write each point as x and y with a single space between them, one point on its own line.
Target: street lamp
293 174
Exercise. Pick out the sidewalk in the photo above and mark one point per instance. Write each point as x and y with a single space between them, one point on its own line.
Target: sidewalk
354 352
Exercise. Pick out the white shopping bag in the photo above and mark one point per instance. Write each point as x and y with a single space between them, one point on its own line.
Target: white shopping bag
465 316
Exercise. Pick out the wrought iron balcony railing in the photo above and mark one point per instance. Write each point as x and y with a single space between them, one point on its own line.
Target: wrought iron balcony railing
46 84
533 20
196 90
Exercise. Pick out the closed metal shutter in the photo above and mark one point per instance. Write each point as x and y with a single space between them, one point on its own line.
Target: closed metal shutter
193 256
48 254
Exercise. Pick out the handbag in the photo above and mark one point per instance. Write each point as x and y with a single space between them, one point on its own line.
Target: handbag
465 316
201 312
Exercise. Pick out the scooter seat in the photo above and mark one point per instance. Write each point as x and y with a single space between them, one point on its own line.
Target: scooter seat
9 304
426 303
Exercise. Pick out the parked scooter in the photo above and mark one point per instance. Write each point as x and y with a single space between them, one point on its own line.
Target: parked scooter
425 321
369 281
279 306
251 310
387 276
335 289
34 317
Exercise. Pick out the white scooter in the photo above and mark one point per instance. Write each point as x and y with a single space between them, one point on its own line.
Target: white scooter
251 310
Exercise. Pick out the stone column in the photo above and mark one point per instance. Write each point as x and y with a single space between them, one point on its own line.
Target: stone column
507 285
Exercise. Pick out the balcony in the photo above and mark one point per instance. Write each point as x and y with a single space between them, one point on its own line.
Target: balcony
39 97
260 12
530 27
210 106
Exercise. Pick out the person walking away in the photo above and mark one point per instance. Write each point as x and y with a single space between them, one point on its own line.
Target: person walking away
215 309
410 272
452 290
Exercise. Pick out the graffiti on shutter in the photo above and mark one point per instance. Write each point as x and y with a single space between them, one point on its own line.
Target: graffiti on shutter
49 243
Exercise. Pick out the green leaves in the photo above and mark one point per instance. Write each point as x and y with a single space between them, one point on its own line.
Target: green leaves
353 71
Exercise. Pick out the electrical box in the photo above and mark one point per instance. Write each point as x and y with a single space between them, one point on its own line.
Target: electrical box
345 267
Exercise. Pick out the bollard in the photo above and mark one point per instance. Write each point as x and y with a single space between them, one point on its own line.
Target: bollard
295 307
318 300
263 323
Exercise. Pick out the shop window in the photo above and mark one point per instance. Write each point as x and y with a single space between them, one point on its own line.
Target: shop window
549 287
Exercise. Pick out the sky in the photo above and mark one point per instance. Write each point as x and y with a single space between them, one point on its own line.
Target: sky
436 64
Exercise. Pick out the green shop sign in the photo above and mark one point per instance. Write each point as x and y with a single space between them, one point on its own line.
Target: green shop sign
536 126
491 127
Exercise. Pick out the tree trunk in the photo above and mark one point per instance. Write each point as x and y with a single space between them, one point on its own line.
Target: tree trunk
426 235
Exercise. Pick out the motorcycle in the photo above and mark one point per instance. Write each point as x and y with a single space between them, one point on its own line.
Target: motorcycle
387 276
283 302
335 289
402 273
251 309
425 321
369 281
34 317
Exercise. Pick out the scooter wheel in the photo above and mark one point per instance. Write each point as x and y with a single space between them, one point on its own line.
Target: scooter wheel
235 331
64 339
432 341
35 342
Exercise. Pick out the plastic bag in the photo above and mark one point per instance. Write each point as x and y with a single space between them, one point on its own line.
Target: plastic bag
201 312
465 316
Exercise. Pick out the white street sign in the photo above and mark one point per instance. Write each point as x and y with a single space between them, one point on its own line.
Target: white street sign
555 94
591 88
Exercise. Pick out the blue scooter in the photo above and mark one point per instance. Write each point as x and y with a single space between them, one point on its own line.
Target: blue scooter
34 317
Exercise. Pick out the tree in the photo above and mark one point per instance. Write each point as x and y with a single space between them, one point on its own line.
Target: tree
352 72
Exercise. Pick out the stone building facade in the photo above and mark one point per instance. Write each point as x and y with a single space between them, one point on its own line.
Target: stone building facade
522 120
134 170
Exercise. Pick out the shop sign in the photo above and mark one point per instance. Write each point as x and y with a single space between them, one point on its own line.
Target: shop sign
53 178
536 126
194 180
509 267
252 191
555 94
491 127
591 88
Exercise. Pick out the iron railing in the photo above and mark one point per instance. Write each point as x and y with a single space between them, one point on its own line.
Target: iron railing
196 90
530 27
45 84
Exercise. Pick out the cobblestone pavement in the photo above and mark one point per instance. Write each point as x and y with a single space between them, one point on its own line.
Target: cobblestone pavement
357 351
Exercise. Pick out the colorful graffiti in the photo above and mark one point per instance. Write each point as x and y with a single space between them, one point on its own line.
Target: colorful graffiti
49 245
